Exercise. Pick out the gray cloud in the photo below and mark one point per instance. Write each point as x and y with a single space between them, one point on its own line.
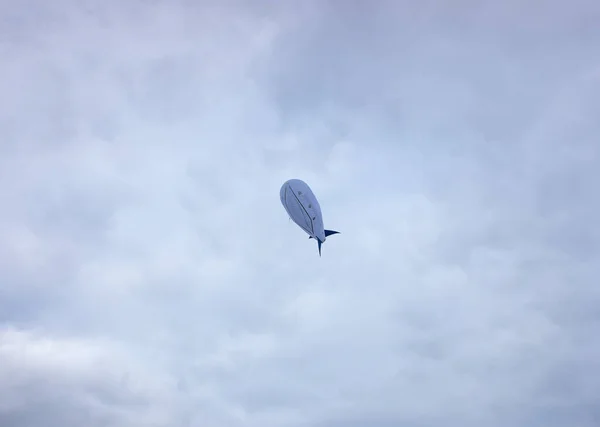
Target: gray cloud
149 275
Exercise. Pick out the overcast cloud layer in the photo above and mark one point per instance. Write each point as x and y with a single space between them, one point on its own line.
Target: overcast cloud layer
149 275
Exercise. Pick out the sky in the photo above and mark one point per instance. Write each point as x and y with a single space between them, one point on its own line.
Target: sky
149 275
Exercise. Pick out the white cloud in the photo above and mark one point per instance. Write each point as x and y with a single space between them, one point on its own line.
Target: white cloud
73 375
150 277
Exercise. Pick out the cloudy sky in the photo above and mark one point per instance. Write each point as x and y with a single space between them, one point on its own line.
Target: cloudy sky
149 275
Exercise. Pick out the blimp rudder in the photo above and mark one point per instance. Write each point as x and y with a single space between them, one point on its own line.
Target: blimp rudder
327 233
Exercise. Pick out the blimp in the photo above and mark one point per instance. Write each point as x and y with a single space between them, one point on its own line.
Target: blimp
303 208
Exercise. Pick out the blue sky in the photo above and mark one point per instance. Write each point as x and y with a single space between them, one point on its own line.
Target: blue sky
149 275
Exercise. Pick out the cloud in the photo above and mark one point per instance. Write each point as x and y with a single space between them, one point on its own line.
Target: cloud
150 277
49 379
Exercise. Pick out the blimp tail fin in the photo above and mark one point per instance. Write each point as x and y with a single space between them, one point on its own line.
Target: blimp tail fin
327 233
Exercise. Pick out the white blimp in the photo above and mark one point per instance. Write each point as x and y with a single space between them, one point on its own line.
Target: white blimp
303 208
